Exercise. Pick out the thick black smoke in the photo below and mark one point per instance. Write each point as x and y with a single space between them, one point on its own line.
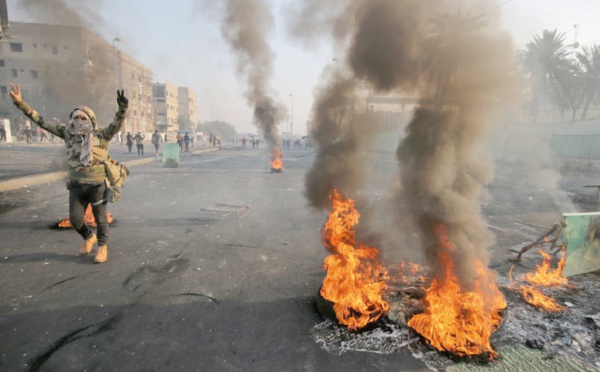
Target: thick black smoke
340 144
245 26
445 53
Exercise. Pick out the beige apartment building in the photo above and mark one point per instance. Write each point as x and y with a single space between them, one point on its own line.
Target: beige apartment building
58 68
62 67
188 109
136 80
166 107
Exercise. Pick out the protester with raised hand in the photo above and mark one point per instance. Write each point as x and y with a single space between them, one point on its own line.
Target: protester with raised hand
85 143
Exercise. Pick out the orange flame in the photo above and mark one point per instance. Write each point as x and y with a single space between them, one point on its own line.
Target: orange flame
546 277
88 218
536 298
276 156
457 320
354 281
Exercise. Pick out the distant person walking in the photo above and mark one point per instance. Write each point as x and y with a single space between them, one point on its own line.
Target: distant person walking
180 140
2 133
43 135
139 143
186 141
156 140
129 141
87 174
28 135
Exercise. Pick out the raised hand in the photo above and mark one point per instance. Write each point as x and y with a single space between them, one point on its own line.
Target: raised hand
15 93
121 99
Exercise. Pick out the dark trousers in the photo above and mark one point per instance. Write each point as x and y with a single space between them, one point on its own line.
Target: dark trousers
129 146
80 196
140 149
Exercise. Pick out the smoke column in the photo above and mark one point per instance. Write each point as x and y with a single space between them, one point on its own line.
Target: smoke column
459 67
466 77
245 25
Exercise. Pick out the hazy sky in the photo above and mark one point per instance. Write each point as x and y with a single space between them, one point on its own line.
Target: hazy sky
181 42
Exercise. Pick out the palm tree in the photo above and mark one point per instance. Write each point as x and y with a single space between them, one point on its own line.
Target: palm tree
589 60
544 62
443 56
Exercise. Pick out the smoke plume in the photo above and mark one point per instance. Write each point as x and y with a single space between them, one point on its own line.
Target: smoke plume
460 68
466 69
245 26
64 12
340 142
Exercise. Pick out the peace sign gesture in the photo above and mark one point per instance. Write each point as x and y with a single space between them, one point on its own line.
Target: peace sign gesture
15 93
121 99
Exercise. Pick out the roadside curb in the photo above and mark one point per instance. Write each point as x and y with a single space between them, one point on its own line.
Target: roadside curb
40 179
35 180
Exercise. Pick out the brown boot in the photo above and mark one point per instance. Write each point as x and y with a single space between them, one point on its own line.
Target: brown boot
87 246
102 254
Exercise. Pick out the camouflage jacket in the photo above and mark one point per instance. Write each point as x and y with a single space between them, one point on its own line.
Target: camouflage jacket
94 171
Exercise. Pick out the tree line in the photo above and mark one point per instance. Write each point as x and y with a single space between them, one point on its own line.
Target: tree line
562 76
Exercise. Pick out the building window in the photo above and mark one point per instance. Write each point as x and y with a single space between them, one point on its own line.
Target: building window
35 74
159 91
1 63
161 100
3 89
54 49
14 72
34 45
16 47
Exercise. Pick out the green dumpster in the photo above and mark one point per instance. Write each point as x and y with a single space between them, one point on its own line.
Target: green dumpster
171 155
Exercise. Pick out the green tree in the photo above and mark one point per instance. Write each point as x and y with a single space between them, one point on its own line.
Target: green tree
443 56
544 61
589 61
219 128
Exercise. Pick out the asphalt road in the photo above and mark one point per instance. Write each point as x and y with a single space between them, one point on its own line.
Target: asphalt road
188 284
192 285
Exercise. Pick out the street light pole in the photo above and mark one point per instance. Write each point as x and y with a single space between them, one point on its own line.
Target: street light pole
292 119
